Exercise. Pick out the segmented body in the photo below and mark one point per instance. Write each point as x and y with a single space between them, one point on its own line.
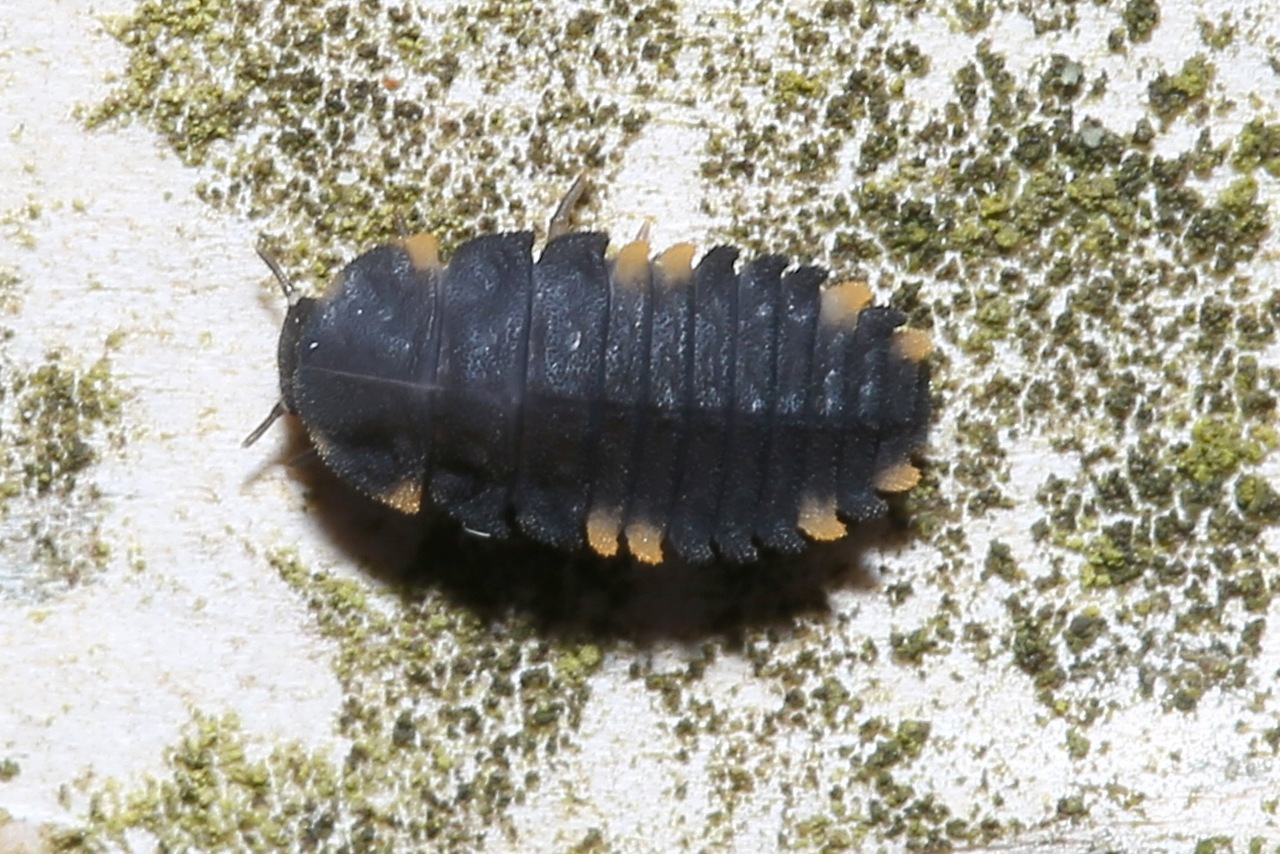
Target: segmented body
599 401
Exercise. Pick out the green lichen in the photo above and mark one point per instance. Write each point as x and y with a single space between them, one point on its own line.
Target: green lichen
280 123
218 798
1141 17
1218 447
1230 231
1077 745
1033 646
1218 36
1000 563
1114 558
10 291
1073 807
1085 629
1172 95
1258 147
56 420
912 647
1256 498
57 412
1214 845
474 715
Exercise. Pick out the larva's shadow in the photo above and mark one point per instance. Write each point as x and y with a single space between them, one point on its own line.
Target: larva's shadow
584 594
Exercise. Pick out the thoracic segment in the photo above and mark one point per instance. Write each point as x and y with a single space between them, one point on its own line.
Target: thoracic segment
674 407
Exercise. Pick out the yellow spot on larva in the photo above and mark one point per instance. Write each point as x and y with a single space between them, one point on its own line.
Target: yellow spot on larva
631 267
842 303
602 531
405 496
913 344
818 519
645 542
424 251
898 478
675 266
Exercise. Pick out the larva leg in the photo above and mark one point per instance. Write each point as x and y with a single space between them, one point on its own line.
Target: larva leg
559 224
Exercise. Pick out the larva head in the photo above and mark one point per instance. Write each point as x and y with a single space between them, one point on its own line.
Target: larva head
301 310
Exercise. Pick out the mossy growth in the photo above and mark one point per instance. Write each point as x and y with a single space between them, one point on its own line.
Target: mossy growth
10 291
58 410
474 715
1258 147
1172 95
56 419
219 798
1001 564
1141 17
332 122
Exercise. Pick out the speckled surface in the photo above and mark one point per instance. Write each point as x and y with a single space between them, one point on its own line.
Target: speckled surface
1063 640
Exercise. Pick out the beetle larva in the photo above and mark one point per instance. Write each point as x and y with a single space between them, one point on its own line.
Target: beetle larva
584 399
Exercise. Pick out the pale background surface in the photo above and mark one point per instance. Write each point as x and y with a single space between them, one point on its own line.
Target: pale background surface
97 682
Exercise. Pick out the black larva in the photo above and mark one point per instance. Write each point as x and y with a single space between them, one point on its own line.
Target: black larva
682 409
